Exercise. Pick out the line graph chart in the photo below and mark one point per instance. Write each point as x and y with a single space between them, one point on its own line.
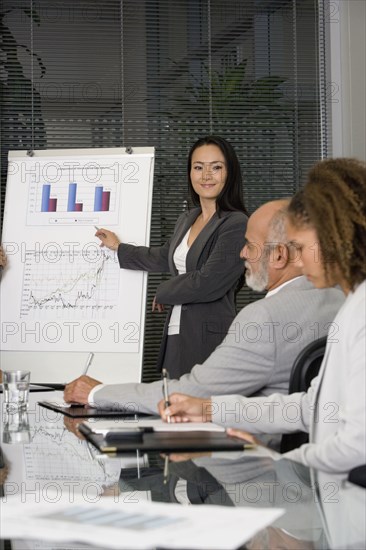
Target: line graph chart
54 453
66 284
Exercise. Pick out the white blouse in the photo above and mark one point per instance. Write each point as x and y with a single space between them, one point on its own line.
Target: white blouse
179 258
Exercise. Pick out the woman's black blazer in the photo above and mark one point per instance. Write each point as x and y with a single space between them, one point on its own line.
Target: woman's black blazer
207 291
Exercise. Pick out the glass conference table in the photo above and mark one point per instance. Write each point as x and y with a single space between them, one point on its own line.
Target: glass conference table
43 452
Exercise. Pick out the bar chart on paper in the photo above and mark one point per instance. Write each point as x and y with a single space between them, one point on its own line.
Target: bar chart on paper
101 203
59 196
65 284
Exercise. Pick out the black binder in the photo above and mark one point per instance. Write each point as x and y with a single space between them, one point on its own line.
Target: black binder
146 439
35 388
58 387
81 411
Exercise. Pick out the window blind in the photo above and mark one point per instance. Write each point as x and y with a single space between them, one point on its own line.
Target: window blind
81 73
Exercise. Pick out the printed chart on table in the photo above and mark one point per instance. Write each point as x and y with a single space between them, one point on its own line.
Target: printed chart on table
56 454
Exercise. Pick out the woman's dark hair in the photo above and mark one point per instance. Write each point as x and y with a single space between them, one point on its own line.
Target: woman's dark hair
231 197
333 202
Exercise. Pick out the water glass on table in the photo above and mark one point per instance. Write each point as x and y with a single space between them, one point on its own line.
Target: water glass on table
16 427
16 389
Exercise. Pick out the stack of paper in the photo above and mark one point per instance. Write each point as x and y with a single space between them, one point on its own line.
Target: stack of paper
157 424
141 525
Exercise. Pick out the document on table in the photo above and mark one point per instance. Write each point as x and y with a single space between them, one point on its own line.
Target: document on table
143 525
59 402
157 424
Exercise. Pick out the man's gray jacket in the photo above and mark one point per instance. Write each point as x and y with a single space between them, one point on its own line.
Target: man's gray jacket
256 356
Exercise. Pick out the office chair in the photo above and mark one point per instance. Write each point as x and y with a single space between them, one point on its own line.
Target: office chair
358 476
304 369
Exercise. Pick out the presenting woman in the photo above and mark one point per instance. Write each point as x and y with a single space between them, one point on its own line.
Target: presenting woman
327 229
202 257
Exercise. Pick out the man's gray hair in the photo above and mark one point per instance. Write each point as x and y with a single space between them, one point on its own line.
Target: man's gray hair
276 230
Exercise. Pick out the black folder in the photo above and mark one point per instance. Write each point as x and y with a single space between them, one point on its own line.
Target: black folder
146 439
35 388
59 387
81 411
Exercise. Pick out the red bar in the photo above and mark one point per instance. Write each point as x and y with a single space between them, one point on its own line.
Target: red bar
78 207
106 197
52 205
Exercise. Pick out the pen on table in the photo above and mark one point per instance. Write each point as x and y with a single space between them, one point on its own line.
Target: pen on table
88 363
165 390
166 469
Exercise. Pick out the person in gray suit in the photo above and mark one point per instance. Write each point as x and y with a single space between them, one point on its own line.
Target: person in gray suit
326 228
264 339
202 257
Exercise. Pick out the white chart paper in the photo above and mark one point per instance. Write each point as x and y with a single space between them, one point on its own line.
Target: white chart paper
142 525
61 291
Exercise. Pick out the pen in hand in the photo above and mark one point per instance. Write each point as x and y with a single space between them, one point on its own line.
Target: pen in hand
111 240
166 469
165 390
86 368
98 229
88 363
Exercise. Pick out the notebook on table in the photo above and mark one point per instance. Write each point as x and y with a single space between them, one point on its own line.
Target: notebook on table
155 435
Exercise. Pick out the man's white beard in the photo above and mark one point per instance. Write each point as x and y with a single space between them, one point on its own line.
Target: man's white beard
257 281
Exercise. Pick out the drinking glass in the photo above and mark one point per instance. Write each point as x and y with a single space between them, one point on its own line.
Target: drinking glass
16 427
16 389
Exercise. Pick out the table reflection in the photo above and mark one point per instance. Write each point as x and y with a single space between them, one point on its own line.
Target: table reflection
44 460
45 455
16 427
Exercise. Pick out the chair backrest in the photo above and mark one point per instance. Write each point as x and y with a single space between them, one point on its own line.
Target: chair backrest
307 365
304 369
358 476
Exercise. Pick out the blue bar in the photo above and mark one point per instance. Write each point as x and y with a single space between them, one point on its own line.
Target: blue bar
98 196
46 191
71 200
